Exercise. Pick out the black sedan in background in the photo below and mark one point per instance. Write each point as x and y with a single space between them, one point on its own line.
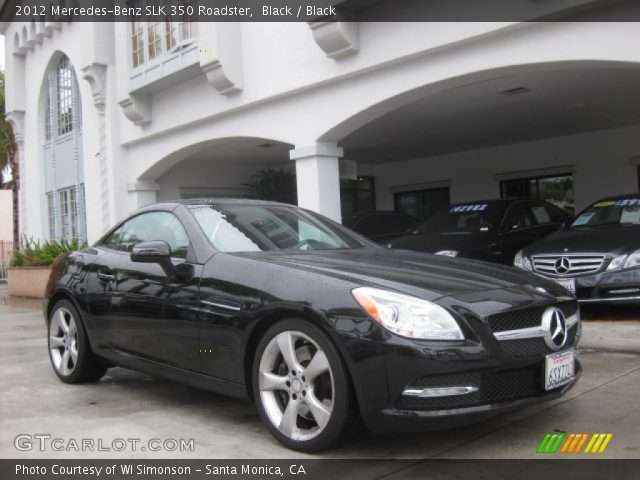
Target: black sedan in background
315 324
598 256
489 230
382 226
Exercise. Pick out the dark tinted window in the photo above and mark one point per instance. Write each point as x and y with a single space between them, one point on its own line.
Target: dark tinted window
518 216
541 213
382 223
422 204
357 196
556 214
150 226
556 189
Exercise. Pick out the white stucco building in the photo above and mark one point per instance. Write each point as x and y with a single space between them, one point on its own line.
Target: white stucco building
113 116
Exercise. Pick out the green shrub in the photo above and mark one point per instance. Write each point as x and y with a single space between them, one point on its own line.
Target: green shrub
36 254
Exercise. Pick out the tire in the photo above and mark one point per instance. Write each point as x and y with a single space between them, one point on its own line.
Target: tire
68 344
312 409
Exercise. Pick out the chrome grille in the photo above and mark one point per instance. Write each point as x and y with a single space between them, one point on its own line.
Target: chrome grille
567 265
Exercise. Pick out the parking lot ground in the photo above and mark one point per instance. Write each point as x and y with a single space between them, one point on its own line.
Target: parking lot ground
127 404
617 312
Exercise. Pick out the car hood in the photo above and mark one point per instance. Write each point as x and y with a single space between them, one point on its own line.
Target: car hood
429 276
462 242
614 240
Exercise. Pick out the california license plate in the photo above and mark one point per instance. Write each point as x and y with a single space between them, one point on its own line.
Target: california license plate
559 369
568 283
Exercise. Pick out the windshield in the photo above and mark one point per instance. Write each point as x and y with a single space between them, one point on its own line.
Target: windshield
610 212
255 228
468 217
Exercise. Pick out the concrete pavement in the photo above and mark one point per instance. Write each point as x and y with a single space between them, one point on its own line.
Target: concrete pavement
134 405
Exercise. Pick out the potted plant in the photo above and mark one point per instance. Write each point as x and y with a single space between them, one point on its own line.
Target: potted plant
31 266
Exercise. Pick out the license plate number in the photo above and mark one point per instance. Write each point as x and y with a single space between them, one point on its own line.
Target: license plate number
568 283
559 369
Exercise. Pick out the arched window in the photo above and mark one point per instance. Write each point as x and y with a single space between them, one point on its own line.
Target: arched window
63 153
65 79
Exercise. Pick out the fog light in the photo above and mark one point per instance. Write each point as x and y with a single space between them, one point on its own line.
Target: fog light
439 391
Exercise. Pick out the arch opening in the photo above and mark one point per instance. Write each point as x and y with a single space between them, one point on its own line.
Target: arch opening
466 138
245 167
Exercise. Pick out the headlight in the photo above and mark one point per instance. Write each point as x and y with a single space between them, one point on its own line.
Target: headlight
632 261
448 253
616 262
523 262
408 316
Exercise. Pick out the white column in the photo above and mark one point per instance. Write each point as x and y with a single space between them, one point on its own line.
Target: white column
142 193
16 119
318 178
96 75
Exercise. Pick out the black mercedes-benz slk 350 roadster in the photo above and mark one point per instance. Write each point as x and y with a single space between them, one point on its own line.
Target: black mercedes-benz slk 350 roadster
317 325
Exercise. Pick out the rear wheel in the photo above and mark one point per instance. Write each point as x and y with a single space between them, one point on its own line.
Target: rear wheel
302 388
69 349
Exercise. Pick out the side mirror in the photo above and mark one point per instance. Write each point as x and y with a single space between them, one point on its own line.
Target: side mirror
155 251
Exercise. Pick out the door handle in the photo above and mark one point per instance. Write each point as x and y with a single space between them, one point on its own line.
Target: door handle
106 277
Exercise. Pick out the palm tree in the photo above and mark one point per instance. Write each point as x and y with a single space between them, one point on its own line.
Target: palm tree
9 160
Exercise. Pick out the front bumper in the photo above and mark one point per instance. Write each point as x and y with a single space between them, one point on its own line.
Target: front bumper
400 419
466 381
615 286
519 387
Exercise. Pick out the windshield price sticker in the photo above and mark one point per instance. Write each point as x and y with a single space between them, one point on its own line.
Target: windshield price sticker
628 202
583 219
468 208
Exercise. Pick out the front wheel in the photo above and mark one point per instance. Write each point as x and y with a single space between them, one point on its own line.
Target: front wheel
69 349
301 387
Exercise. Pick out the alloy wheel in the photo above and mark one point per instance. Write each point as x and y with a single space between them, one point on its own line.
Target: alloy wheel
296 385
63 341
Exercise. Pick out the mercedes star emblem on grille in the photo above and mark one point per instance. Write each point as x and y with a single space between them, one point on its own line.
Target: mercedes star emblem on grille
562 265
555 327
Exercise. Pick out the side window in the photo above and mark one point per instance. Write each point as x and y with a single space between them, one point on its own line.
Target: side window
541 214
396 224
556 214
113 240
367 226
133 232
147 227
384 223
519 216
